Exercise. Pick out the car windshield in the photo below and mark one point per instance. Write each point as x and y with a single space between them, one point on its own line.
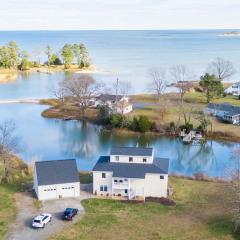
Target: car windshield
68 210
36 221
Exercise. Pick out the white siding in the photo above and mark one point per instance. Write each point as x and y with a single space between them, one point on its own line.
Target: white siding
98 181
137 185
154 186
59 190
136 159
151 186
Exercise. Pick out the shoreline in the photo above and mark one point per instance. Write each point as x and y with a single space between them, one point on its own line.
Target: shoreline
10 75
55 113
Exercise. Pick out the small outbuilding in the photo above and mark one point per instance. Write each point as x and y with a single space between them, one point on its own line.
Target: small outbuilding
56 179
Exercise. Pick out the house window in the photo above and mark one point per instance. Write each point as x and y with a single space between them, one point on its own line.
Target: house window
130 159
117 158
161 177
144 160
105 189
101 188
126 191
103 175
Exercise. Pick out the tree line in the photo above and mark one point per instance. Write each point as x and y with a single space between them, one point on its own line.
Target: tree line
12 57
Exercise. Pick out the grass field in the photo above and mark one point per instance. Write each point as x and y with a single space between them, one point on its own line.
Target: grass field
7 208
199 213
200 98
7 191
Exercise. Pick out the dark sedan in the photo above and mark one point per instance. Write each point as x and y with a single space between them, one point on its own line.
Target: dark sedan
69 213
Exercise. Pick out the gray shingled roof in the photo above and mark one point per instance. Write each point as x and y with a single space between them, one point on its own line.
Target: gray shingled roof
57 172
110 97
132 170
226 107
131 151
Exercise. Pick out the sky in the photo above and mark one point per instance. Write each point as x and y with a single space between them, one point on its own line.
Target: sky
121 14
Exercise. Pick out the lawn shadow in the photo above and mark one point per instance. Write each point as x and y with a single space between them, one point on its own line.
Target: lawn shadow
222 226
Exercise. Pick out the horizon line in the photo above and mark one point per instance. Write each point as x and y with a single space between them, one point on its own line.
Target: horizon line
157 29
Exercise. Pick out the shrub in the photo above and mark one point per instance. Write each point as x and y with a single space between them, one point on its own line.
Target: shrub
24 65
55 60
104 114
142 124
187 127
119 121
199 176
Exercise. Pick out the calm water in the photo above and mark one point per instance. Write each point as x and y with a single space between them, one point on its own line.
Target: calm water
128 54
55 139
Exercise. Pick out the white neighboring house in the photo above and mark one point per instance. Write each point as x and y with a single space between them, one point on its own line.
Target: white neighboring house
117 103
224 111
234 89
56 179
131 172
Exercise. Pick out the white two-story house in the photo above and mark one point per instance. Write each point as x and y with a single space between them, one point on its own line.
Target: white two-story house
131 172
117 103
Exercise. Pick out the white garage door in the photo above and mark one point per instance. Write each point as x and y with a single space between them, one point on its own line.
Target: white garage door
49 193
68 191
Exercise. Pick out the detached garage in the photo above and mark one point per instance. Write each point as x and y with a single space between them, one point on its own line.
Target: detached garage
56 179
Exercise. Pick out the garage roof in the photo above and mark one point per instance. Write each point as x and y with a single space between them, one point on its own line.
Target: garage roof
57 172
132 170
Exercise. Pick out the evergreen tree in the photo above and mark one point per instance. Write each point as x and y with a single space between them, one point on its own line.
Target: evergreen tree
211 85
67 55
49 54
13 53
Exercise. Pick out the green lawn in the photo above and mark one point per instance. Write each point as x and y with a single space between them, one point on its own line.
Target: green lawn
7 207
197 97
7 191
199 214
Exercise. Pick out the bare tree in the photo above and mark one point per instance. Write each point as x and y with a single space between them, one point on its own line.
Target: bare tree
125 88
180 76
83 88
158 82
163 106
9 144
121 88
221 68
58 92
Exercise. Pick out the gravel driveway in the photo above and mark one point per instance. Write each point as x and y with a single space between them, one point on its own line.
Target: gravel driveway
22 230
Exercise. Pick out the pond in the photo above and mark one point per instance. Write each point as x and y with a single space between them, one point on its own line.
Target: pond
49 139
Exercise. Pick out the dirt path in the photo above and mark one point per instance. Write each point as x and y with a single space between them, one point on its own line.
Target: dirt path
21 229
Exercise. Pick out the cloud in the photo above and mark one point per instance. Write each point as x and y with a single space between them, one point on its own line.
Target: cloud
124 14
